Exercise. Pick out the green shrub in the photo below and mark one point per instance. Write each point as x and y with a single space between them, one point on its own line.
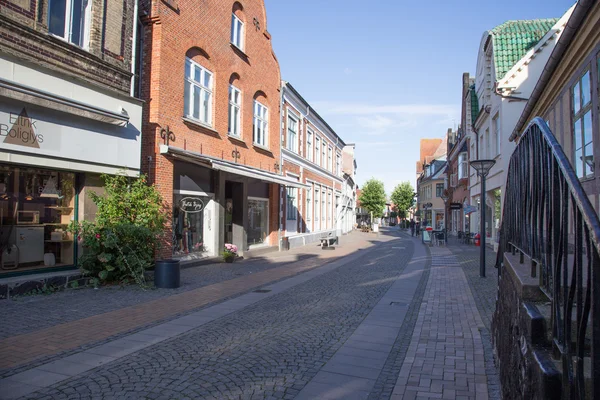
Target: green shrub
119 245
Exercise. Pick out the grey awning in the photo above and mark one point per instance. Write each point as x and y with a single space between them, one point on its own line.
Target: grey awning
28 94
233 168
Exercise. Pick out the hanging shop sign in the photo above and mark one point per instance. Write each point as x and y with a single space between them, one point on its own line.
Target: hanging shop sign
191 204
455 206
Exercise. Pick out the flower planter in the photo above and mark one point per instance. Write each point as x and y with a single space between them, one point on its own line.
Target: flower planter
167 274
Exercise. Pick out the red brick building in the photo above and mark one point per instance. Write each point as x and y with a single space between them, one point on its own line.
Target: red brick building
313 154
211 124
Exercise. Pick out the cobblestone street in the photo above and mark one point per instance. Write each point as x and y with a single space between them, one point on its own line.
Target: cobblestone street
381 316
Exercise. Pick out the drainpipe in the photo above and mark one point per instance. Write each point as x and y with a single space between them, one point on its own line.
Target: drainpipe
280 213
134 47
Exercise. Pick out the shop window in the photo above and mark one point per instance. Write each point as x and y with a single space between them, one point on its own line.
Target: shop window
188 224
292 210
258 221
36 207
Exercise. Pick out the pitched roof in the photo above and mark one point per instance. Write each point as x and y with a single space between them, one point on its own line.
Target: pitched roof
513 39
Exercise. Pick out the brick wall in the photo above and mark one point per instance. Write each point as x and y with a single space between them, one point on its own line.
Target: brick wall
24 35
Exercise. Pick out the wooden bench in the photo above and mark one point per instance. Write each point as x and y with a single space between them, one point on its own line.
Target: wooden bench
328 239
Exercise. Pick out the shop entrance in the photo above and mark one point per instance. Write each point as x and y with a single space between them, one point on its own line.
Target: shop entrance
234 214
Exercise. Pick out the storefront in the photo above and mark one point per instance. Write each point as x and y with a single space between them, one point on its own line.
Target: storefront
217 202
52 151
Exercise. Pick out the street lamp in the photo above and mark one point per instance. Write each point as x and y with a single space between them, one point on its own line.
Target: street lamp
445 199
483 168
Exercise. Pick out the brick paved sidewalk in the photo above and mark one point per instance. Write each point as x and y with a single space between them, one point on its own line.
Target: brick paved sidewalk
24 349
446 354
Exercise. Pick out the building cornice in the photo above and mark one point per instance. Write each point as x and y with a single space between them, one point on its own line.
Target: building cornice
297 159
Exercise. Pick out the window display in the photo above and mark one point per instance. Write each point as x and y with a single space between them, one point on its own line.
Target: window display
258 221
188 224
36 206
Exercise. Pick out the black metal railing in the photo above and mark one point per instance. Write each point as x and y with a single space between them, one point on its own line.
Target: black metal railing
548 217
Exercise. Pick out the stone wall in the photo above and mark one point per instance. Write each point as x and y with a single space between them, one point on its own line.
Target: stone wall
519 334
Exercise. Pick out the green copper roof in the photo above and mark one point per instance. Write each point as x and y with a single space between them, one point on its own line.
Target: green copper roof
474 104
513 39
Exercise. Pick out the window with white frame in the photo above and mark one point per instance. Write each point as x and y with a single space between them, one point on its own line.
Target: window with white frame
292 133
329 196
582 119
497 136
324 153
237 32
487 143
198 92
463 165
309 206
292 210
323 208
70 20
309 144
235 104
337 206
317 151
337 164
261 124
317 209
330 159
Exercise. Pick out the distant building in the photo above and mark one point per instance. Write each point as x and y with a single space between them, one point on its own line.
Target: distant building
431 169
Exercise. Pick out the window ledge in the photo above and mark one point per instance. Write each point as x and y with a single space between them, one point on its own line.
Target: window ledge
236 138
238 50
199 124
261 147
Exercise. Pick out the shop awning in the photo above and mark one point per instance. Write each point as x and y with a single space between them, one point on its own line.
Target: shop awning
28 94
230 167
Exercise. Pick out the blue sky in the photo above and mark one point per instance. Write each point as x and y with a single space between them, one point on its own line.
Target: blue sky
386 74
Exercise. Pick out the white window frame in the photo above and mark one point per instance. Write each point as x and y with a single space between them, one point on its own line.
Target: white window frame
237 32
338 160
68 28
309 144
498 137
233 106
324 152
292 135
204 114
292 204
323 208
317 209
317 150
261 117
463 165
330 159
579 112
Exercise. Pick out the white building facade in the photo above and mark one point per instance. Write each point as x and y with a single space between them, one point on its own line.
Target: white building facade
505 78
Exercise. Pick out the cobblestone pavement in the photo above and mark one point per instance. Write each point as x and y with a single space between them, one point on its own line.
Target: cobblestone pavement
269 350
31 313
21 352
446 355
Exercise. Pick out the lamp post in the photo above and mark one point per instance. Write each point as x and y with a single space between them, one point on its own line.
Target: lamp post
483 168
445 199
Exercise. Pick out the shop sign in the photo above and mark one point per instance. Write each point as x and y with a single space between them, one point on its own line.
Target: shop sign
455 206
21 131
191 204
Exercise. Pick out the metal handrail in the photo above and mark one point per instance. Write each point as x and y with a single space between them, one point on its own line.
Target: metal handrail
548 216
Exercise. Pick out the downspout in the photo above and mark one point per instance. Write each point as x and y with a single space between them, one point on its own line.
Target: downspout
280 213
134 47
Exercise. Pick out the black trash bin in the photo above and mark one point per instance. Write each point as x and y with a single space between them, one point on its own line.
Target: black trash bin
166 274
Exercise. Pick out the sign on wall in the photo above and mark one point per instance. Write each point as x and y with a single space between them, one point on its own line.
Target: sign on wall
191 204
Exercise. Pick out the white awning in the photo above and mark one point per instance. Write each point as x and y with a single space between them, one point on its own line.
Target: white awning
233 168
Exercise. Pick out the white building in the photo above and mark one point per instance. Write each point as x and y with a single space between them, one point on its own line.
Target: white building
510 61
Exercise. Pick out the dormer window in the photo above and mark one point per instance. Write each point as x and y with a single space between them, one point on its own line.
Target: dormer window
237 32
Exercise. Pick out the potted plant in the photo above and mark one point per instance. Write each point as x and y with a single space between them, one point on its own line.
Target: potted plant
230 252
